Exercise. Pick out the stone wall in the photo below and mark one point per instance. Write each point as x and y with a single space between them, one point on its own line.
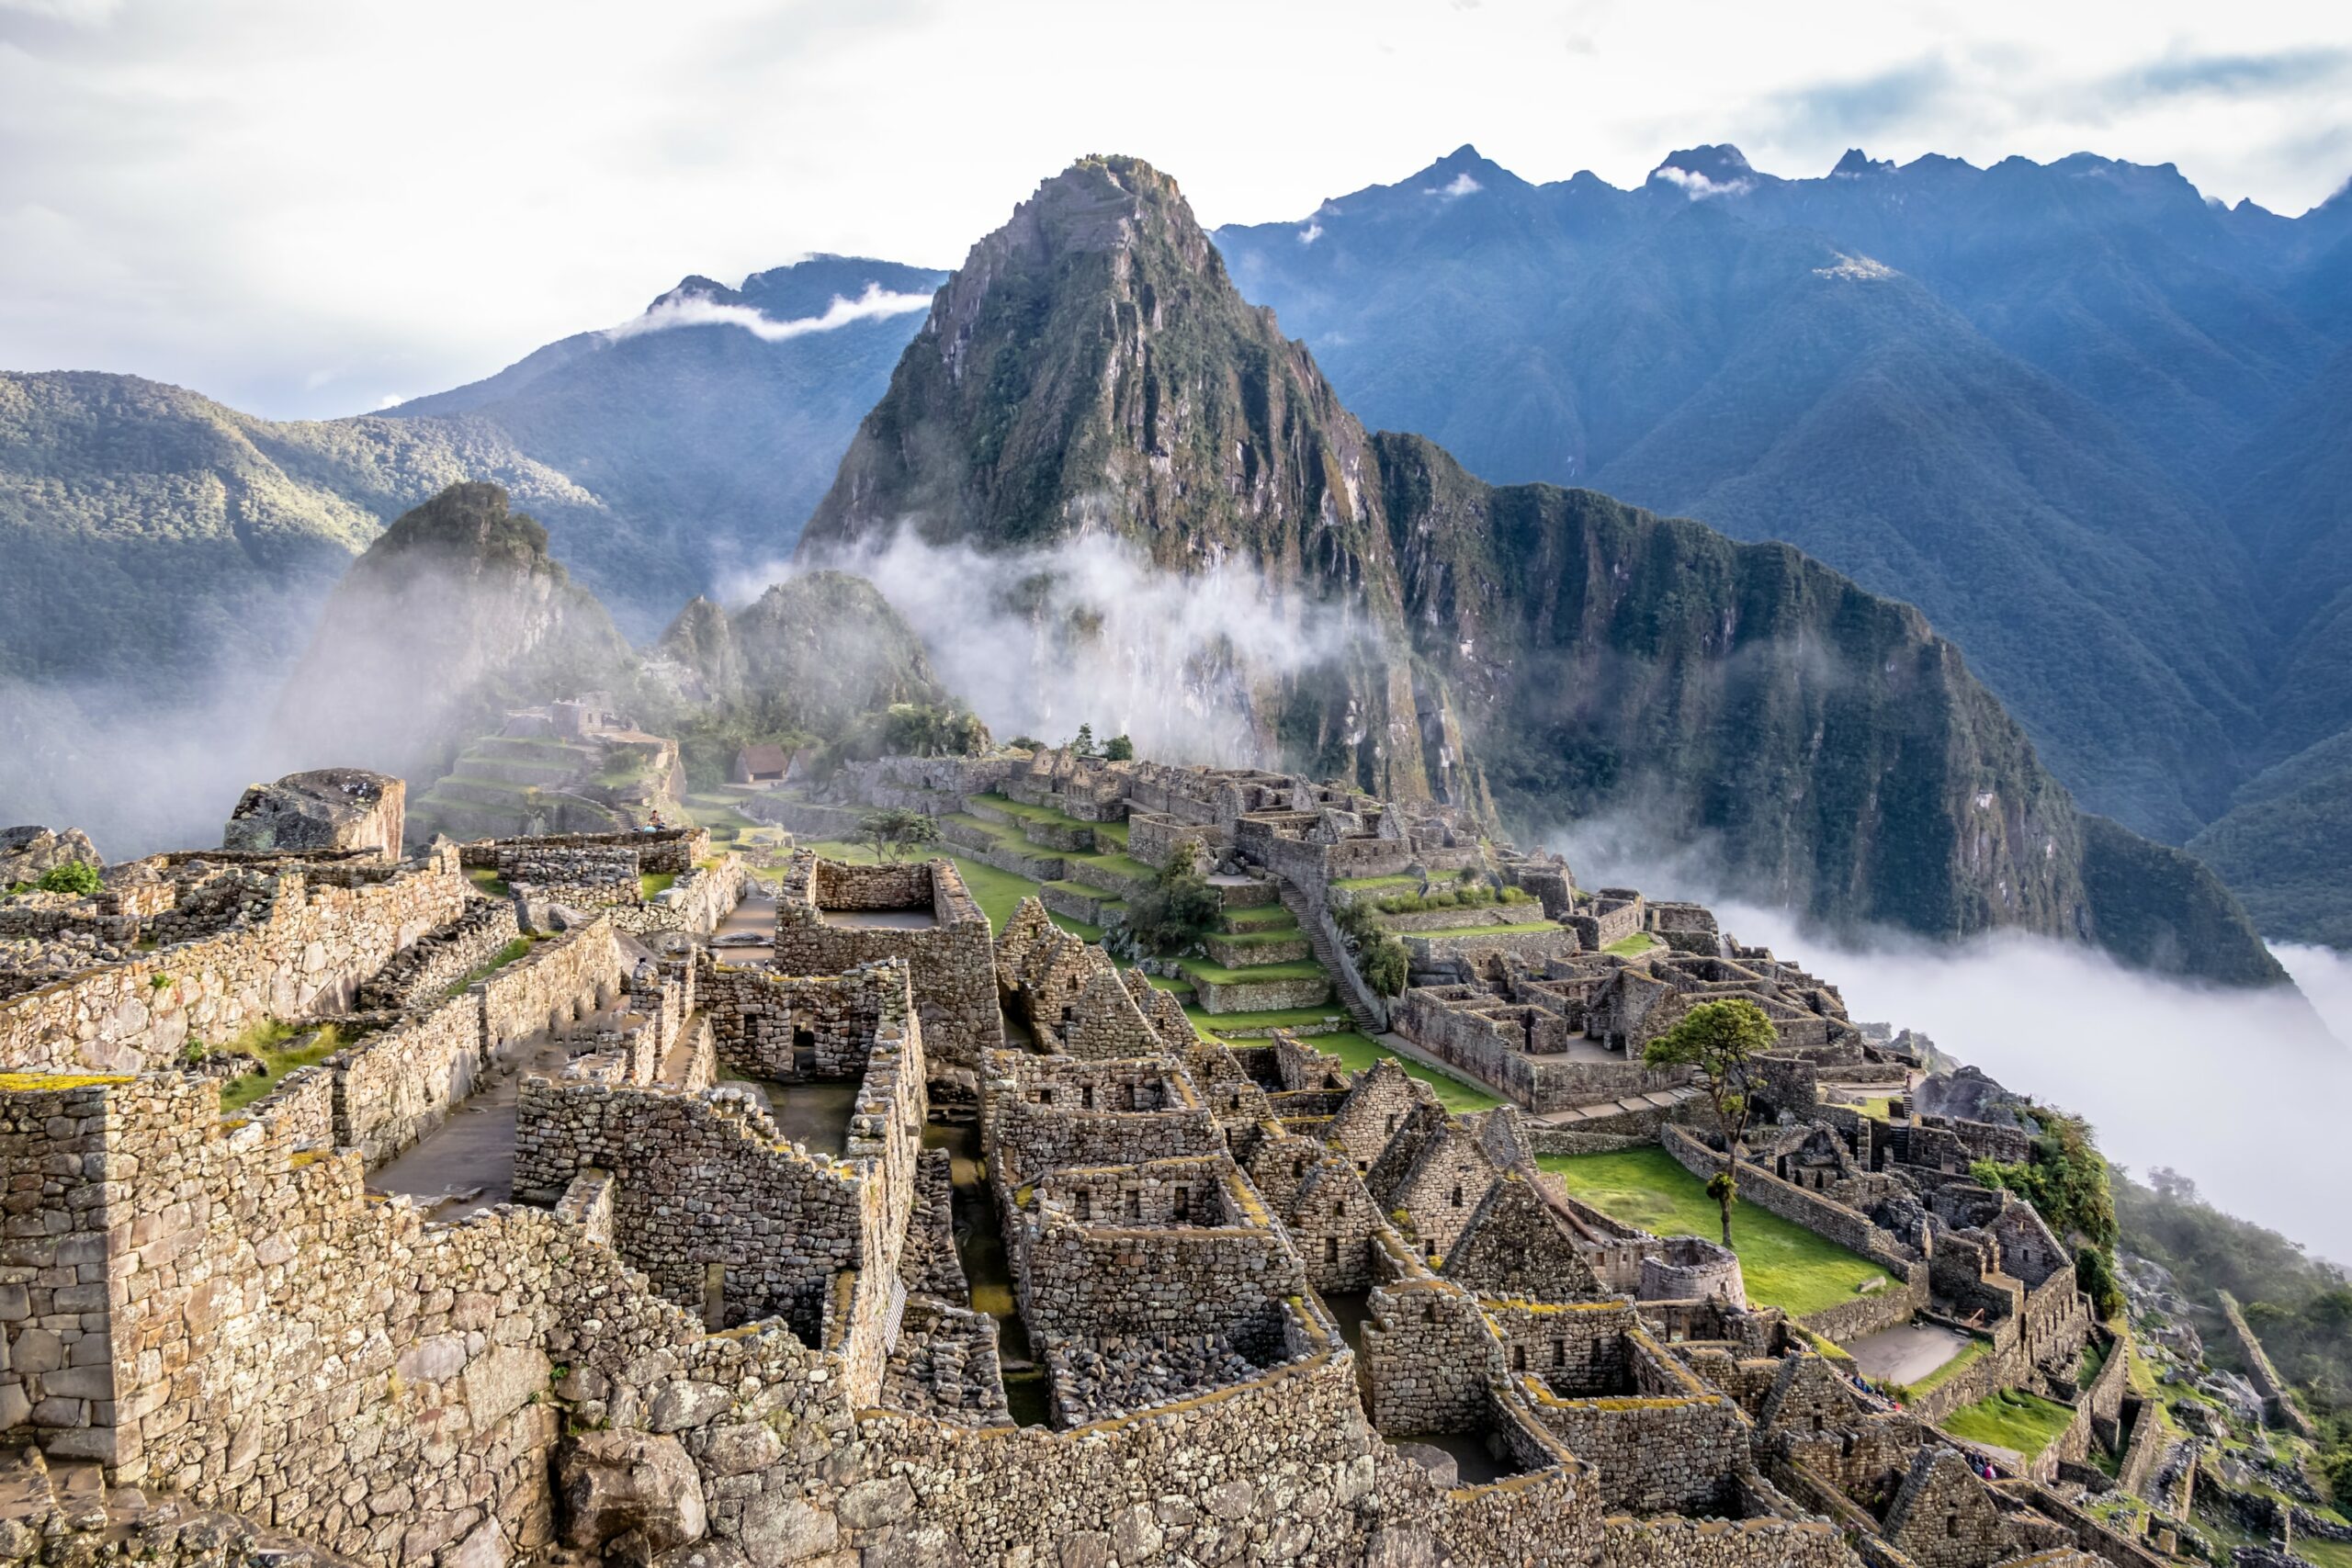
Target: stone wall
421 974
700 1184
306 954
398 1083
554 984
2278 1400
761 1019
701 898
669 850
954 962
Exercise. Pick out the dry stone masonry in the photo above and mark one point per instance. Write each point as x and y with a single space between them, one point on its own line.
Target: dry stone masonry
916 1244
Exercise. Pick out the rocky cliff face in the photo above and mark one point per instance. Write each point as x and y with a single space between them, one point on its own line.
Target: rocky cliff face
455 612
1091 370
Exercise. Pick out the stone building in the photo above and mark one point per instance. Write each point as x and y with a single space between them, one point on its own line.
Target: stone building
910 1245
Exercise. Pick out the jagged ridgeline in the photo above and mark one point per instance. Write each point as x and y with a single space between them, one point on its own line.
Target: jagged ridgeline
1091 370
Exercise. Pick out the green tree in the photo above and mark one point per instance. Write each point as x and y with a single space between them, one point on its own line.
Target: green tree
1718 1039
1380 958
1177 909
1119 749
2094 1276
894 831
1084 743
74 876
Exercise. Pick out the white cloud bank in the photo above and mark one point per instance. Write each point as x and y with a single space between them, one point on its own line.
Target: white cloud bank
699 310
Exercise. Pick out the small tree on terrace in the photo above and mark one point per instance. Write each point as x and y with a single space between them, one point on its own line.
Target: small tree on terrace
1718 1039
895 831
1119 749
1083 744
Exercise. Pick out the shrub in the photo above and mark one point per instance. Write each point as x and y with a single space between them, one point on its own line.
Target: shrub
1119 749
1385 964
74 876
1177 909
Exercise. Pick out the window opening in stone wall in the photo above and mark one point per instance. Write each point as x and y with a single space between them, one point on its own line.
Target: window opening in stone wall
1135 1204
1330 1249
1457 1194
1183 1200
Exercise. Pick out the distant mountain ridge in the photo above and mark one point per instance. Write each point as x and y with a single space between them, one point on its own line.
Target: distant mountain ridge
2084 418
1092 369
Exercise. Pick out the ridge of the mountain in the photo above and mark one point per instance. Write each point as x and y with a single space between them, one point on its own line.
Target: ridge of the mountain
1092 369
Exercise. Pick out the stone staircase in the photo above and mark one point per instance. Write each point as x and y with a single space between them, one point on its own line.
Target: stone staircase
1344 983
64 1513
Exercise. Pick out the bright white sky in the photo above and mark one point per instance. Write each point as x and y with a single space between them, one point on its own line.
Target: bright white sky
308 206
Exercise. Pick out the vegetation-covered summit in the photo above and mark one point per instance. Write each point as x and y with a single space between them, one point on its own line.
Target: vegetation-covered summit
1092 368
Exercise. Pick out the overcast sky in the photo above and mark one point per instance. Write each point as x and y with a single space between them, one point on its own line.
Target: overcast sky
310 206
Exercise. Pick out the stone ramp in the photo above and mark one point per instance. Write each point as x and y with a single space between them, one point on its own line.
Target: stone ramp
65 1513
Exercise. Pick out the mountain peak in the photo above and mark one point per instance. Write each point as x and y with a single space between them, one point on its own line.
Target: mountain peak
1857 163
1698 172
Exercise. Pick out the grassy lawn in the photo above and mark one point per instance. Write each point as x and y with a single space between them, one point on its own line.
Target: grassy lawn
1280 1018
1218 975
1639 943
2326 1553
2010 1419
1785 1264
1975 1350
263 1041
1257 917
726 824
1489 930
649 883
1259 936
1116 864
488 880
1359 1052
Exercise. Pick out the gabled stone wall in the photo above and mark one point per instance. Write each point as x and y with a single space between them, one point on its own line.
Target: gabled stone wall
954 962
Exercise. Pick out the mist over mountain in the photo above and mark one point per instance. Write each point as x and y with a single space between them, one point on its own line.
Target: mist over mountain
2085 419
663 455
1092 371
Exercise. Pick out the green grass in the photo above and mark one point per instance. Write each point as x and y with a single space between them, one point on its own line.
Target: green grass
1975 1350
1639 943
263 1041
1261 938
1257 917
725 823
1360 884
489 880
2010 1419
1785 1264
499 960
1489 930
1116 864
652 881
1277 1017
2324 1553
2094 1360
1359 1052
1218 974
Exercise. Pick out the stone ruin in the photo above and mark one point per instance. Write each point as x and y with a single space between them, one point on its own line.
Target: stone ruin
900 1241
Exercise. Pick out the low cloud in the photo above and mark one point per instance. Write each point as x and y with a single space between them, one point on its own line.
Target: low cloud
1460 185
1092 632
2238 1088
1698 186
698 310
1312 232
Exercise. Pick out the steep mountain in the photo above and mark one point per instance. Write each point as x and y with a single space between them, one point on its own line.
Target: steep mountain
2284 845
808 655
455 612
1093 370
2006 395
667 457
150 535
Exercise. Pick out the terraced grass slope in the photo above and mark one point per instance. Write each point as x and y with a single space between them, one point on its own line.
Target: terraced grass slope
1785 1264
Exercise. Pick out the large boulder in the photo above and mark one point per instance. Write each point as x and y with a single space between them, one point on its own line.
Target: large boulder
616 1483
26 854
327 809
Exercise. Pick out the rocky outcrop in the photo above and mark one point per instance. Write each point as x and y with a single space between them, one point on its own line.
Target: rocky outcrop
617 1485
28 853
330 808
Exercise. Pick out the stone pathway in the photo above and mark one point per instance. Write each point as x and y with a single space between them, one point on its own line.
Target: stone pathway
1906 1352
